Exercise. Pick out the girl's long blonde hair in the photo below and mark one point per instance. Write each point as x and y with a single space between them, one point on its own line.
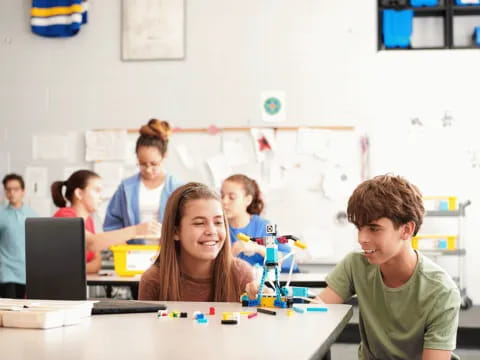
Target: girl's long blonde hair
225 282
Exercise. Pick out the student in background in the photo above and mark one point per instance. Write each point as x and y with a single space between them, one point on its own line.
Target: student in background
243 204
143 196
195 263
12 238
82 191
408 304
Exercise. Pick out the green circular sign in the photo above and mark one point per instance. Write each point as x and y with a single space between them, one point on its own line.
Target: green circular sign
272 105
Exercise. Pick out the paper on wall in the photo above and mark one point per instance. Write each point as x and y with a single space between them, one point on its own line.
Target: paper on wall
235 152
130 153
219 169
111 174
41 205
36 181
105 145
273 106
69 170
264 142
185 156
314 142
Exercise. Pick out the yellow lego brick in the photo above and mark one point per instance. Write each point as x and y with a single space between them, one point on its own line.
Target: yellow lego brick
243 237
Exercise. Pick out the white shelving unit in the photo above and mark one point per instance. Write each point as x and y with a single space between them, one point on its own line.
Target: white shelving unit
459 252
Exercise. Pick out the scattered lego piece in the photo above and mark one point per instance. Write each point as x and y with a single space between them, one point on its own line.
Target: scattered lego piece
265 311
183 315
290 312
252 315
202 320
226 315
200 316
236 316
229 322
212 311
162 313
245 312
298 310
317 309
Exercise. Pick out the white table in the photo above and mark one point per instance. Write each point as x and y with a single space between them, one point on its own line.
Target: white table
146 337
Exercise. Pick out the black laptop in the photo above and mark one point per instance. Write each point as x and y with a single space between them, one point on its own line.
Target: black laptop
55 266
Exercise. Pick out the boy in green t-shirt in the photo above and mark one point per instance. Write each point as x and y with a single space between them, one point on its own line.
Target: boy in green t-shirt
408 305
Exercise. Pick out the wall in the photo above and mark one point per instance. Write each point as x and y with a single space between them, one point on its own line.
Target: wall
322 53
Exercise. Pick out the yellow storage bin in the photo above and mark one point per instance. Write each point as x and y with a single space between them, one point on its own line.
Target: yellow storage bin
130 260
434 242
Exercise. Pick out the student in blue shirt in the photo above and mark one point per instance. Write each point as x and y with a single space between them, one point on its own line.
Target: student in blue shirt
12 238
243 204
143 196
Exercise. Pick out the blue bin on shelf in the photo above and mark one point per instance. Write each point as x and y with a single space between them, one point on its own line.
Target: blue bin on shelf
397 28
467 2
419 3
476 35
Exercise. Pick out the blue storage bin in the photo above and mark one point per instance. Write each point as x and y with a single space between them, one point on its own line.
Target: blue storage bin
418 3
397 28
466 2
476 35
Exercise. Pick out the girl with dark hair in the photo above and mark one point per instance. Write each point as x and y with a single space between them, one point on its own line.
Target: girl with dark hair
243 204
143 196
82 192
196 263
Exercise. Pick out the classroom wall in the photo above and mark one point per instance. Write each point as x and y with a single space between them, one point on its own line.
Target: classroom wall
321 53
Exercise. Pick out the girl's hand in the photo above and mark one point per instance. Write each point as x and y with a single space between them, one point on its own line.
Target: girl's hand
148 230
252 290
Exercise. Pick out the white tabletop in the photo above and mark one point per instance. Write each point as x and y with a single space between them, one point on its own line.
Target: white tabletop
146 337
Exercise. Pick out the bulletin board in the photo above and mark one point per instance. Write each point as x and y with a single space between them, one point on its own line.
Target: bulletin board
306 174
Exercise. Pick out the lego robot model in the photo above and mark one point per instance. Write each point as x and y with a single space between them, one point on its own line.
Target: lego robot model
283 295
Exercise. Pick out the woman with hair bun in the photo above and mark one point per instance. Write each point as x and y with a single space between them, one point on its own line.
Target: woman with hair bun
143 196
243 204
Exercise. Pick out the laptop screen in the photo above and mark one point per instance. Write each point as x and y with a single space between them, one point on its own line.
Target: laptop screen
55 258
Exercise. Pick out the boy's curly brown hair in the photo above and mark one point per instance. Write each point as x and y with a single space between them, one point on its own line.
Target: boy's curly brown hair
388 196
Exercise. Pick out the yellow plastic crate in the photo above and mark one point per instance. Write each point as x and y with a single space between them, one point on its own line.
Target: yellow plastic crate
130 260
441 242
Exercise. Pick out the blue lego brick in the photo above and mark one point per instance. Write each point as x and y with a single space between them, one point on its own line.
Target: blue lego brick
442 244
476 35
252 302
298 310
419 3
299 291
271 255
317 309
467 2
280 304
200 316
397 28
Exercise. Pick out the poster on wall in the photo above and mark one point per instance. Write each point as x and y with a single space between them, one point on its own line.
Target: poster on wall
153 29
273 106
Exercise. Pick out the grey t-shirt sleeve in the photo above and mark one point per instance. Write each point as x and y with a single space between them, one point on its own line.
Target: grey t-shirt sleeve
341 278
442 322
